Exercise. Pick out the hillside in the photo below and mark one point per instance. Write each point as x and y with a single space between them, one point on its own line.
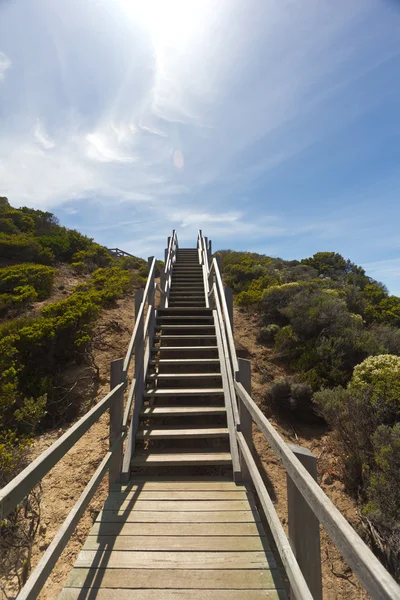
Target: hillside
309 328
56 286
330 368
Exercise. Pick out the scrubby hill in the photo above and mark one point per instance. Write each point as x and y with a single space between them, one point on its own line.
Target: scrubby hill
54 285
335 332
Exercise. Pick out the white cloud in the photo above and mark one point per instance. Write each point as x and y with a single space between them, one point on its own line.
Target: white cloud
5 64
40 135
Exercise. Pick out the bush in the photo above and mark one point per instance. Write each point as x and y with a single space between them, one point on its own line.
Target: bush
95 256
79 268
381 375
267 334
285 341
23 248
275 299
291 399
384 482
40 277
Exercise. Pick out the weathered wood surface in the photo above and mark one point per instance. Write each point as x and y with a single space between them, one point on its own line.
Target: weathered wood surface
189 539
227 530
145 516
181 495
176 505
186 543
304 534
174 560
175 579
159 594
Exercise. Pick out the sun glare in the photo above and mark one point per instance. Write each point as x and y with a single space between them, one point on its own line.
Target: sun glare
167 20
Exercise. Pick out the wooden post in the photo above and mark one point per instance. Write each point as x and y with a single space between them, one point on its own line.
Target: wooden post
246 420
229 303
116 415
304 534
165 255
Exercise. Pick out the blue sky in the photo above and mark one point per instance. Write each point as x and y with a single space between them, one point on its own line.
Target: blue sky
273 125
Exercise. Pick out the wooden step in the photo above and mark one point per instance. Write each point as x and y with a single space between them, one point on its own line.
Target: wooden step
162 376
162 392
183 348
180 459
181 411
202 310
185 361
185 337
185 326
193 432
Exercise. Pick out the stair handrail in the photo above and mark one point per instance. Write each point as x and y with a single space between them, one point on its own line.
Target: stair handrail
376 580
141 343
170 259
204 261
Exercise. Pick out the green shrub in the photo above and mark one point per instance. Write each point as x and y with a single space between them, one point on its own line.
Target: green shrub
40 277
384 481
285 340
93 257
291 399
23 248
267 334
79 268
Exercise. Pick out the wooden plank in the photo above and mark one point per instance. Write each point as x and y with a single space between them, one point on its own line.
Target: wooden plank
116 416
177 543
180 458
158 594
161 485
183 410
183 392
304 534
193 432
180 495
177 505
177 529
175 579
371 573
147 516
174 560
20 486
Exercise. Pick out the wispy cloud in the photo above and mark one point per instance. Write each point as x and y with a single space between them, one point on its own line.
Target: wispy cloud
40 135
5 64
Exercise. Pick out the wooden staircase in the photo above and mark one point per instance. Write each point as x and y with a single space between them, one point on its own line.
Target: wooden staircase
183 420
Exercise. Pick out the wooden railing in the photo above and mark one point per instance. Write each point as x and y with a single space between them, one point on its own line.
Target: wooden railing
308 505
123 424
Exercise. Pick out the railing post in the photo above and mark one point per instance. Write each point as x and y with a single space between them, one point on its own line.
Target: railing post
139 358
229 303
304 534
116 415
246 420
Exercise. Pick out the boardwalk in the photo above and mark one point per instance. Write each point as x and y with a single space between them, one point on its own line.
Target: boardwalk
176 539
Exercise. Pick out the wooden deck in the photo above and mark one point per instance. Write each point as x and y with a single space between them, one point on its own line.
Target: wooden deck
176 539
